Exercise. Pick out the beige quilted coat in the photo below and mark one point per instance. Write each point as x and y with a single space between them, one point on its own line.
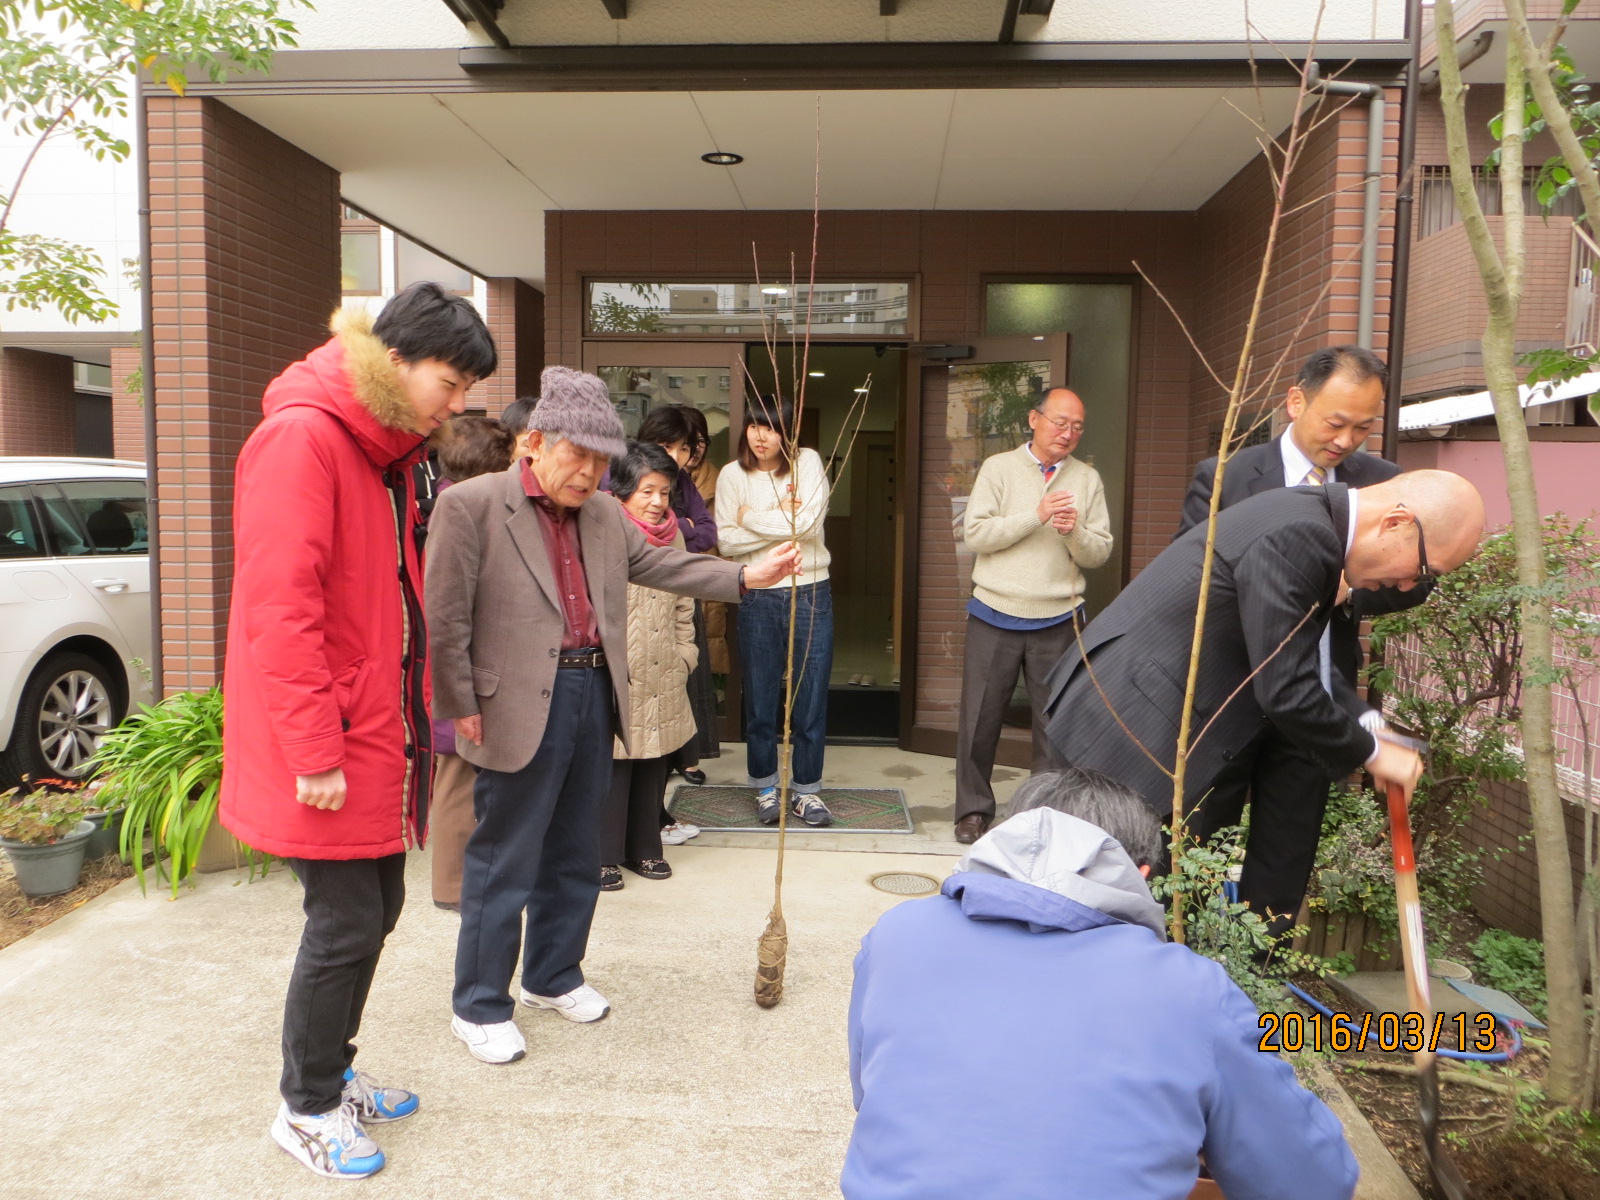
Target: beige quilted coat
661 653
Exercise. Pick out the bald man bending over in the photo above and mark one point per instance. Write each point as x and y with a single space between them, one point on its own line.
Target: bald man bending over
1275 582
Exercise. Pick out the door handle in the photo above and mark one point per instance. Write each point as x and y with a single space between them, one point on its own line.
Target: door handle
110 585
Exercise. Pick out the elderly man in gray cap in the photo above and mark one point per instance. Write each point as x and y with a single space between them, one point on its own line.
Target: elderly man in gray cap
527 581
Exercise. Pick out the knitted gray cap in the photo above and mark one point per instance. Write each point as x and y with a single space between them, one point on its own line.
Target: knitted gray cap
577 406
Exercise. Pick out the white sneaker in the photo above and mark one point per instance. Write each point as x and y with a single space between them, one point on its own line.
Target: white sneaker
500 1042
332 1144
678 833
582 1004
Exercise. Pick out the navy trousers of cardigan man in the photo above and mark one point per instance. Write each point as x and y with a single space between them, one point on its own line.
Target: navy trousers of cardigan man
536 851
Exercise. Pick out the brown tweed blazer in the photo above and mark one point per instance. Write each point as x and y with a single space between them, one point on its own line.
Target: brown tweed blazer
494 621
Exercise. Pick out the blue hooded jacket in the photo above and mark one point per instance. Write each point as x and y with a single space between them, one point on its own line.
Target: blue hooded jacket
1029 1034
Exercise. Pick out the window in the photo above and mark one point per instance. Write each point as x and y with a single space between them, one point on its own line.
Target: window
359 257
100 516
747 310
19 532
1437 210
675 381
416 264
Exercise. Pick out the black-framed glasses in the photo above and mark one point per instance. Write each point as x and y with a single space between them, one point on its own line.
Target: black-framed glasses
1425 573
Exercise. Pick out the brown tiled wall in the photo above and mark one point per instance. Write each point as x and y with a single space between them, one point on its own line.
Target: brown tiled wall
36 403
516 319
245 272
1447 313
1313 290
1509 897
127 408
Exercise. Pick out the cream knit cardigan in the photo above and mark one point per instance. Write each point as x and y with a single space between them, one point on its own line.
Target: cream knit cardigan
1025 568
767 525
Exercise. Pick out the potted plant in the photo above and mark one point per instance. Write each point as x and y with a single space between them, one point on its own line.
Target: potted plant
164 764
44 833
106 817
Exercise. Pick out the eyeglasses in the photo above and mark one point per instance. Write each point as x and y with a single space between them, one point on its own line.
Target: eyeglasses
1063 426
1425 573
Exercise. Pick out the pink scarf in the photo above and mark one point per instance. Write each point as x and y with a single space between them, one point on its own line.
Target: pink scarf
658 535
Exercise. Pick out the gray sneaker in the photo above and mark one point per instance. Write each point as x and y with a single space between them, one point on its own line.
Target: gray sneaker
812 811
767 806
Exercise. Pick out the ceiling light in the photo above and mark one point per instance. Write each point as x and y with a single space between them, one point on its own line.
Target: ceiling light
817 374
1039 339
862 390
722 158
774 291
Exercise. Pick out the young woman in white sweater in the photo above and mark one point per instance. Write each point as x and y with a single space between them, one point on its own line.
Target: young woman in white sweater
765 497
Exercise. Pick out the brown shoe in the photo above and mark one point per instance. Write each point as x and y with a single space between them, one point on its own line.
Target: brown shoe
971 827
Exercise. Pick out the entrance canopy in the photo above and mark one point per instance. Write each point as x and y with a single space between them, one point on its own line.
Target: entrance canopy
473 174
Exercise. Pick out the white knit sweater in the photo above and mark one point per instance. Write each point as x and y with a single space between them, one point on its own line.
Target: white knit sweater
766 525
1025 568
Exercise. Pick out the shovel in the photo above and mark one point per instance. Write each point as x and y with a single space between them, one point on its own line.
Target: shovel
1446 1177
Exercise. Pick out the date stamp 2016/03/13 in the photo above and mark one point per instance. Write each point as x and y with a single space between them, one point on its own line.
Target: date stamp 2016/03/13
1408 1032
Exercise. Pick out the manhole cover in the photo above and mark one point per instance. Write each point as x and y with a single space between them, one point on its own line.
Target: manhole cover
905 883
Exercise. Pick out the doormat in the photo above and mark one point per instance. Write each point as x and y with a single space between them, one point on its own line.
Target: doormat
855 810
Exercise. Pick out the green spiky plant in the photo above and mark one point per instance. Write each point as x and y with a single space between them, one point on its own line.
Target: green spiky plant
164 763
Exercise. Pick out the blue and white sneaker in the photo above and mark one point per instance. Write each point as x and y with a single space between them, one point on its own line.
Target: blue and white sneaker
376 1103
332 1144
767 805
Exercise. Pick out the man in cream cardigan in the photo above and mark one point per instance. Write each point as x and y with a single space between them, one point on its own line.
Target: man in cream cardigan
1036 521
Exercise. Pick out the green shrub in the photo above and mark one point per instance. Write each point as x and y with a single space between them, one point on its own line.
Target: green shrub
1512 964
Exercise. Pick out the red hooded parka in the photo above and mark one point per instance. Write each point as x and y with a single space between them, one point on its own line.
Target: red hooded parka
327 653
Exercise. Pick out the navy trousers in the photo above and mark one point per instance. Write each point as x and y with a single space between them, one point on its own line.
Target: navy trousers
536 853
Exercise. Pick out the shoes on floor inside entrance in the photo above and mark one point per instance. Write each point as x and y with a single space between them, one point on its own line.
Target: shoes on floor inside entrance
971 827
812 811
694 775
332 1144
498 1042
650 868
375 1103
678 833
610 878
767 805
582 1004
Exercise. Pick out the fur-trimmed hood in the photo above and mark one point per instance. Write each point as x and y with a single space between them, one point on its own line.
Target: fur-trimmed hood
351 378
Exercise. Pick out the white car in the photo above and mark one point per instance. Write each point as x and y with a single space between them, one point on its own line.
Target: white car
74 609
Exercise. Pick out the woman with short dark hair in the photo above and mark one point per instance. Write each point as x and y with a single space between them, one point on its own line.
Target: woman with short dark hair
661 653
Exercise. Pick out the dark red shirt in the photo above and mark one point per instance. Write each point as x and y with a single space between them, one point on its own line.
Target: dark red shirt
562 543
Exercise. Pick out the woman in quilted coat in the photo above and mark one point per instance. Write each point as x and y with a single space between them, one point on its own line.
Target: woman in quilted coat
661 654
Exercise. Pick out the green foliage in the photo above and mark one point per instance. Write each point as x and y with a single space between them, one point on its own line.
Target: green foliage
39 814
164 763
1008 398
1512 964
1354 873
1228 931
1450 672
608 314
1555 178
67 68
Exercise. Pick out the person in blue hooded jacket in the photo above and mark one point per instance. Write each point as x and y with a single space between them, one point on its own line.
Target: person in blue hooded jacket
1030 1033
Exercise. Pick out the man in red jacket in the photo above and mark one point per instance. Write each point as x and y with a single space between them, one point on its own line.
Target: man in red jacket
326 748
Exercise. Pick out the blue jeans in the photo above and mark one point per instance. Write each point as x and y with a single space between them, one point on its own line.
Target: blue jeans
763 651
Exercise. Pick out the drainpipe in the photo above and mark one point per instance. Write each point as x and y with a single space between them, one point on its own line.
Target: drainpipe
1400 278
1374 191
147 388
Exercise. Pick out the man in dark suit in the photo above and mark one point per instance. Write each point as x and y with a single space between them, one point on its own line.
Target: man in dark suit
1276 577
1333 406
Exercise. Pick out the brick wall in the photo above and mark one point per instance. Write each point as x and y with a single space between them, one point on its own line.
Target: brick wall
516 319
1313 291
245 272
127 408
1509 896
1448 312
36 403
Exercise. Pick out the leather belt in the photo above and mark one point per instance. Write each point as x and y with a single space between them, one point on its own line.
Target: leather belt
590 659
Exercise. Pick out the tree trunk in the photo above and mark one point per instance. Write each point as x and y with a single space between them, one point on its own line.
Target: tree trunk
1502 281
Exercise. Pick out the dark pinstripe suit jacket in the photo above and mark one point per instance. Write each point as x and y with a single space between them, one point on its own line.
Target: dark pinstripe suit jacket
1278 558
1257 469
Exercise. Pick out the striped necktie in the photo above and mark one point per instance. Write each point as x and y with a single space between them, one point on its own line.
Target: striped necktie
1048 472
1315 477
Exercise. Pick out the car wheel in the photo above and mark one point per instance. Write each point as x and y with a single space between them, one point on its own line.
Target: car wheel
68 706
